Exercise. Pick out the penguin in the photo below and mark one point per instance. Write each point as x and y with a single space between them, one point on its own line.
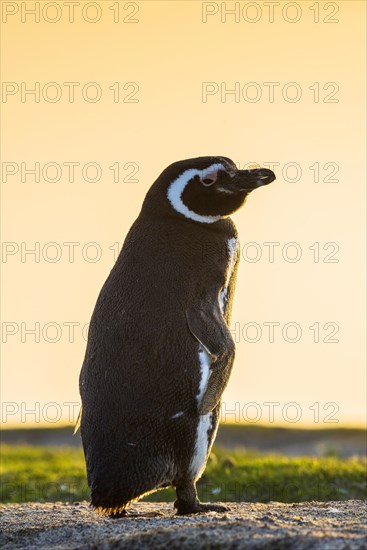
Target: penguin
159 353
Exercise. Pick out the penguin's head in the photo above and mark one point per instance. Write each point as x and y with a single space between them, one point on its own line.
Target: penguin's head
207 189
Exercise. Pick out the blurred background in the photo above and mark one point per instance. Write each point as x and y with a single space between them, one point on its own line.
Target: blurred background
173 80
97 99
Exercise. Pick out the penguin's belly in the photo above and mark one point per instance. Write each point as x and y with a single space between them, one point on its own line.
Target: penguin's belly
208 424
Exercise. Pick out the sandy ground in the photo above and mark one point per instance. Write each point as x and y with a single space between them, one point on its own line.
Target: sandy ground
275 526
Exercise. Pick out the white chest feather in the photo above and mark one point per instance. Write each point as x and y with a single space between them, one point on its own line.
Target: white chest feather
204 361
204 427
202 442
232 247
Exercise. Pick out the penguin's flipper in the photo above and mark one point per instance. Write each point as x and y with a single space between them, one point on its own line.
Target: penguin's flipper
207 325
218 380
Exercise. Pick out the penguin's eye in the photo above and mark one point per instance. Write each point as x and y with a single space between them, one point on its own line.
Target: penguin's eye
207 182
209 177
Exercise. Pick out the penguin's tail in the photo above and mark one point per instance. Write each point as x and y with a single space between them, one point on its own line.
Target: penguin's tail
112 502
114 512
120 510
77 425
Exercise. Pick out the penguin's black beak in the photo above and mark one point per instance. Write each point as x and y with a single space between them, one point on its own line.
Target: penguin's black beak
247 180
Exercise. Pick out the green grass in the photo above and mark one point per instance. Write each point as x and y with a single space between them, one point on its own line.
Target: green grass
41 474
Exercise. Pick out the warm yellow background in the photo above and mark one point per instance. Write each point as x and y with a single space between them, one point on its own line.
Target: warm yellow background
169 53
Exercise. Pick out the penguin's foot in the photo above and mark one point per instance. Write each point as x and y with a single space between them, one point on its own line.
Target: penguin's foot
188 503
196 507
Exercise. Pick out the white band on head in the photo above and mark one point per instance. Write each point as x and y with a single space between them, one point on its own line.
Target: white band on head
177 187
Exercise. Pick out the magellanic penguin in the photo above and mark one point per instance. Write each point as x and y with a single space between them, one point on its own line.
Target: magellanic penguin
159 352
